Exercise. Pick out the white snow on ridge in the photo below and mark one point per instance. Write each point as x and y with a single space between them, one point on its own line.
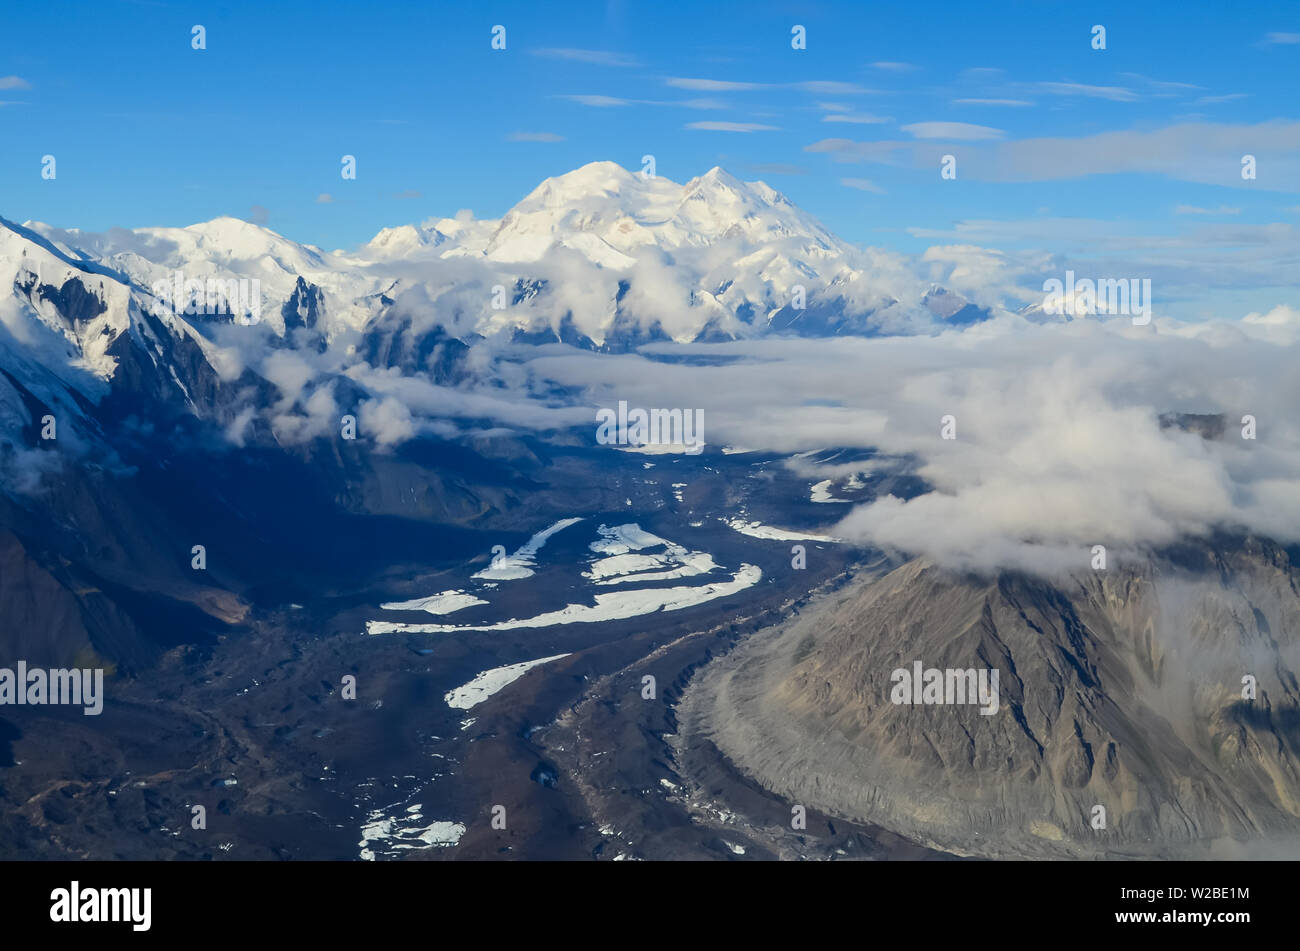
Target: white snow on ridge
490 682
609 606
519 565
443 603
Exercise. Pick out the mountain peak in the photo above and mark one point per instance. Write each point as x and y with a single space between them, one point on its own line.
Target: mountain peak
593 179
717 176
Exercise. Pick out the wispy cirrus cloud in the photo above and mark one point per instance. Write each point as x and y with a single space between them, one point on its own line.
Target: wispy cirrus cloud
1195 210
892 67
592 57
1113 93
14 82
1162 88
1281 39
959 131
992 102
534 137
825 87
778 168
862 185
731 127
884 152
1202 152
714 85
600 101
856 119
832 88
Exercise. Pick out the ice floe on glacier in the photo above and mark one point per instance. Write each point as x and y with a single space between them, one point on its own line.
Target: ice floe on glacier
520 564
442 603
490 682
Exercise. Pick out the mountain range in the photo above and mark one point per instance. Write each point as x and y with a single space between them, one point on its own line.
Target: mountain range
226 451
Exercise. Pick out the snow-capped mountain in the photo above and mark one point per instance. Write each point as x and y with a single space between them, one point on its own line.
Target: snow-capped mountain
600 254
616 258
208 319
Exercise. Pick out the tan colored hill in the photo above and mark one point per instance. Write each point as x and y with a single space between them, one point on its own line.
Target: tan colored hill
1120 688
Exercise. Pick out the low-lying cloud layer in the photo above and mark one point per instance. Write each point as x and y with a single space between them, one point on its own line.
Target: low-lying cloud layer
1059 444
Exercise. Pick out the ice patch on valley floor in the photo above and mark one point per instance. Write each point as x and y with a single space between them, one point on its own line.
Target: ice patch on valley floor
610 606
622 565
759 530
821 492
520 564
665 448
386 835
620 539
490 682
444 603
629 555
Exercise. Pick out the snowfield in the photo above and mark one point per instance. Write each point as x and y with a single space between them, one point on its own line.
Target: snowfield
443 603
613 606
627 554
821 492
520 564
759 530
674 562
386 835
491 682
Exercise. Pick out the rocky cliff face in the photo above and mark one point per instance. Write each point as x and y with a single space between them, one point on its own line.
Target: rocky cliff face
1119 689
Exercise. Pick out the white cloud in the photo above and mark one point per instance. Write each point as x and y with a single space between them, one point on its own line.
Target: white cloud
816 86
731 126
387 421
993 102
864 119
1059 442
593 57
962 131
862 184
1194 210
1203 152
604 102
713 85
598 100
1113 93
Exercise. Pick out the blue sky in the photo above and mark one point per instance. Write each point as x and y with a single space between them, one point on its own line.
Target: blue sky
147 131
